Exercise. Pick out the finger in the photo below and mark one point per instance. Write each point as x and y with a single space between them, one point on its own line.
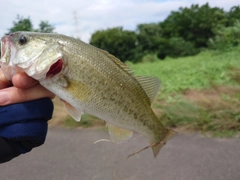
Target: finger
4 82
22 80
13 95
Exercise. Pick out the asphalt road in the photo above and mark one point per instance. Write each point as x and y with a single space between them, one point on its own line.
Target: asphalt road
71 155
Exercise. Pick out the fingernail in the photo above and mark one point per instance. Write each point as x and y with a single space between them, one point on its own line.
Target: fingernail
4 97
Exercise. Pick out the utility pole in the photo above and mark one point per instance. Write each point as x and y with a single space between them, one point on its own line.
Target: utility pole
75 18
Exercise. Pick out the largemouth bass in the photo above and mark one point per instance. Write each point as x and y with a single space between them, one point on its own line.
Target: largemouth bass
87 80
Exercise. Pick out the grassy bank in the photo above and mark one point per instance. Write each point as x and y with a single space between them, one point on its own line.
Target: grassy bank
197 72
199 93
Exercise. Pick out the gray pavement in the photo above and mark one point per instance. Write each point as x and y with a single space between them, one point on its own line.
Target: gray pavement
71 155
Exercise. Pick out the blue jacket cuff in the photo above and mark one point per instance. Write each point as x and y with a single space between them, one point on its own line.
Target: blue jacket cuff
26 120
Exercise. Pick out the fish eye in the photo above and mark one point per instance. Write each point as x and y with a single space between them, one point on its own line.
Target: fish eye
22 39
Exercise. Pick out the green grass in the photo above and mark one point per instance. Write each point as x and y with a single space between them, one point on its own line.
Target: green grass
195 72
199 93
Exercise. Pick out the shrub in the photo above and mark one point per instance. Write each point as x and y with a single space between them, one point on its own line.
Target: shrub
226 37
180 47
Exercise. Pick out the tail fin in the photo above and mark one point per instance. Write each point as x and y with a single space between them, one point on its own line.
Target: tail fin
157 146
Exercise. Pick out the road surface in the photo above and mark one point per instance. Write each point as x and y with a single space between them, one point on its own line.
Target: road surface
71 155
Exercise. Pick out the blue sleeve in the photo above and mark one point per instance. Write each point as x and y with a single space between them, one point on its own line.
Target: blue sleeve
23 126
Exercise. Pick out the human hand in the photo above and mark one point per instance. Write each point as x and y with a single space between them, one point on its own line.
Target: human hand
22 88
23 126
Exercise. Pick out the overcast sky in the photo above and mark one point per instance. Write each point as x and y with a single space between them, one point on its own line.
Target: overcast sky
83 17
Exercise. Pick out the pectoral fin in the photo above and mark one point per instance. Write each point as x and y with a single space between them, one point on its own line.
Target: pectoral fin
79 90
118 134
72 111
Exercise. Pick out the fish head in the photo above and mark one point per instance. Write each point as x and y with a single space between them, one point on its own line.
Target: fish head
36 54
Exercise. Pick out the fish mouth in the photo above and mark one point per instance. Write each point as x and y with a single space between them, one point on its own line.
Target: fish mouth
7 51
3 47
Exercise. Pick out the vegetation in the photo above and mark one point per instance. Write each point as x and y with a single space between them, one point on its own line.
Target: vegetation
225 37
116 41
25 24
184 32
199 93
196 72
194 24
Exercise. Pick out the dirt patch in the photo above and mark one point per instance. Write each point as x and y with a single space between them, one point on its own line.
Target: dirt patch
216 109
212 98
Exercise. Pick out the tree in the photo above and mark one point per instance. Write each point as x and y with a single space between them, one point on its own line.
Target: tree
147 37
45 27
225 37
184 32
119 42
233 15
25 24
194 24
179 47
151 41
22 24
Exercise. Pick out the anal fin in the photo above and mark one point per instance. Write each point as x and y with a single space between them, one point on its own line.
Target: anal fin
118 134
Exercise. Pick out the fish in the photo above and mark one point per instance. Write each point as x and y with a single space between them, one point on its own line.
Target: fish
88 80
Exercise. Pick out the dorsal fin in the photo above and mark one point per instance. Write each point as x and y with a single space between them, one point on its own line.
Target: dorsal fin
118 62
150 85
